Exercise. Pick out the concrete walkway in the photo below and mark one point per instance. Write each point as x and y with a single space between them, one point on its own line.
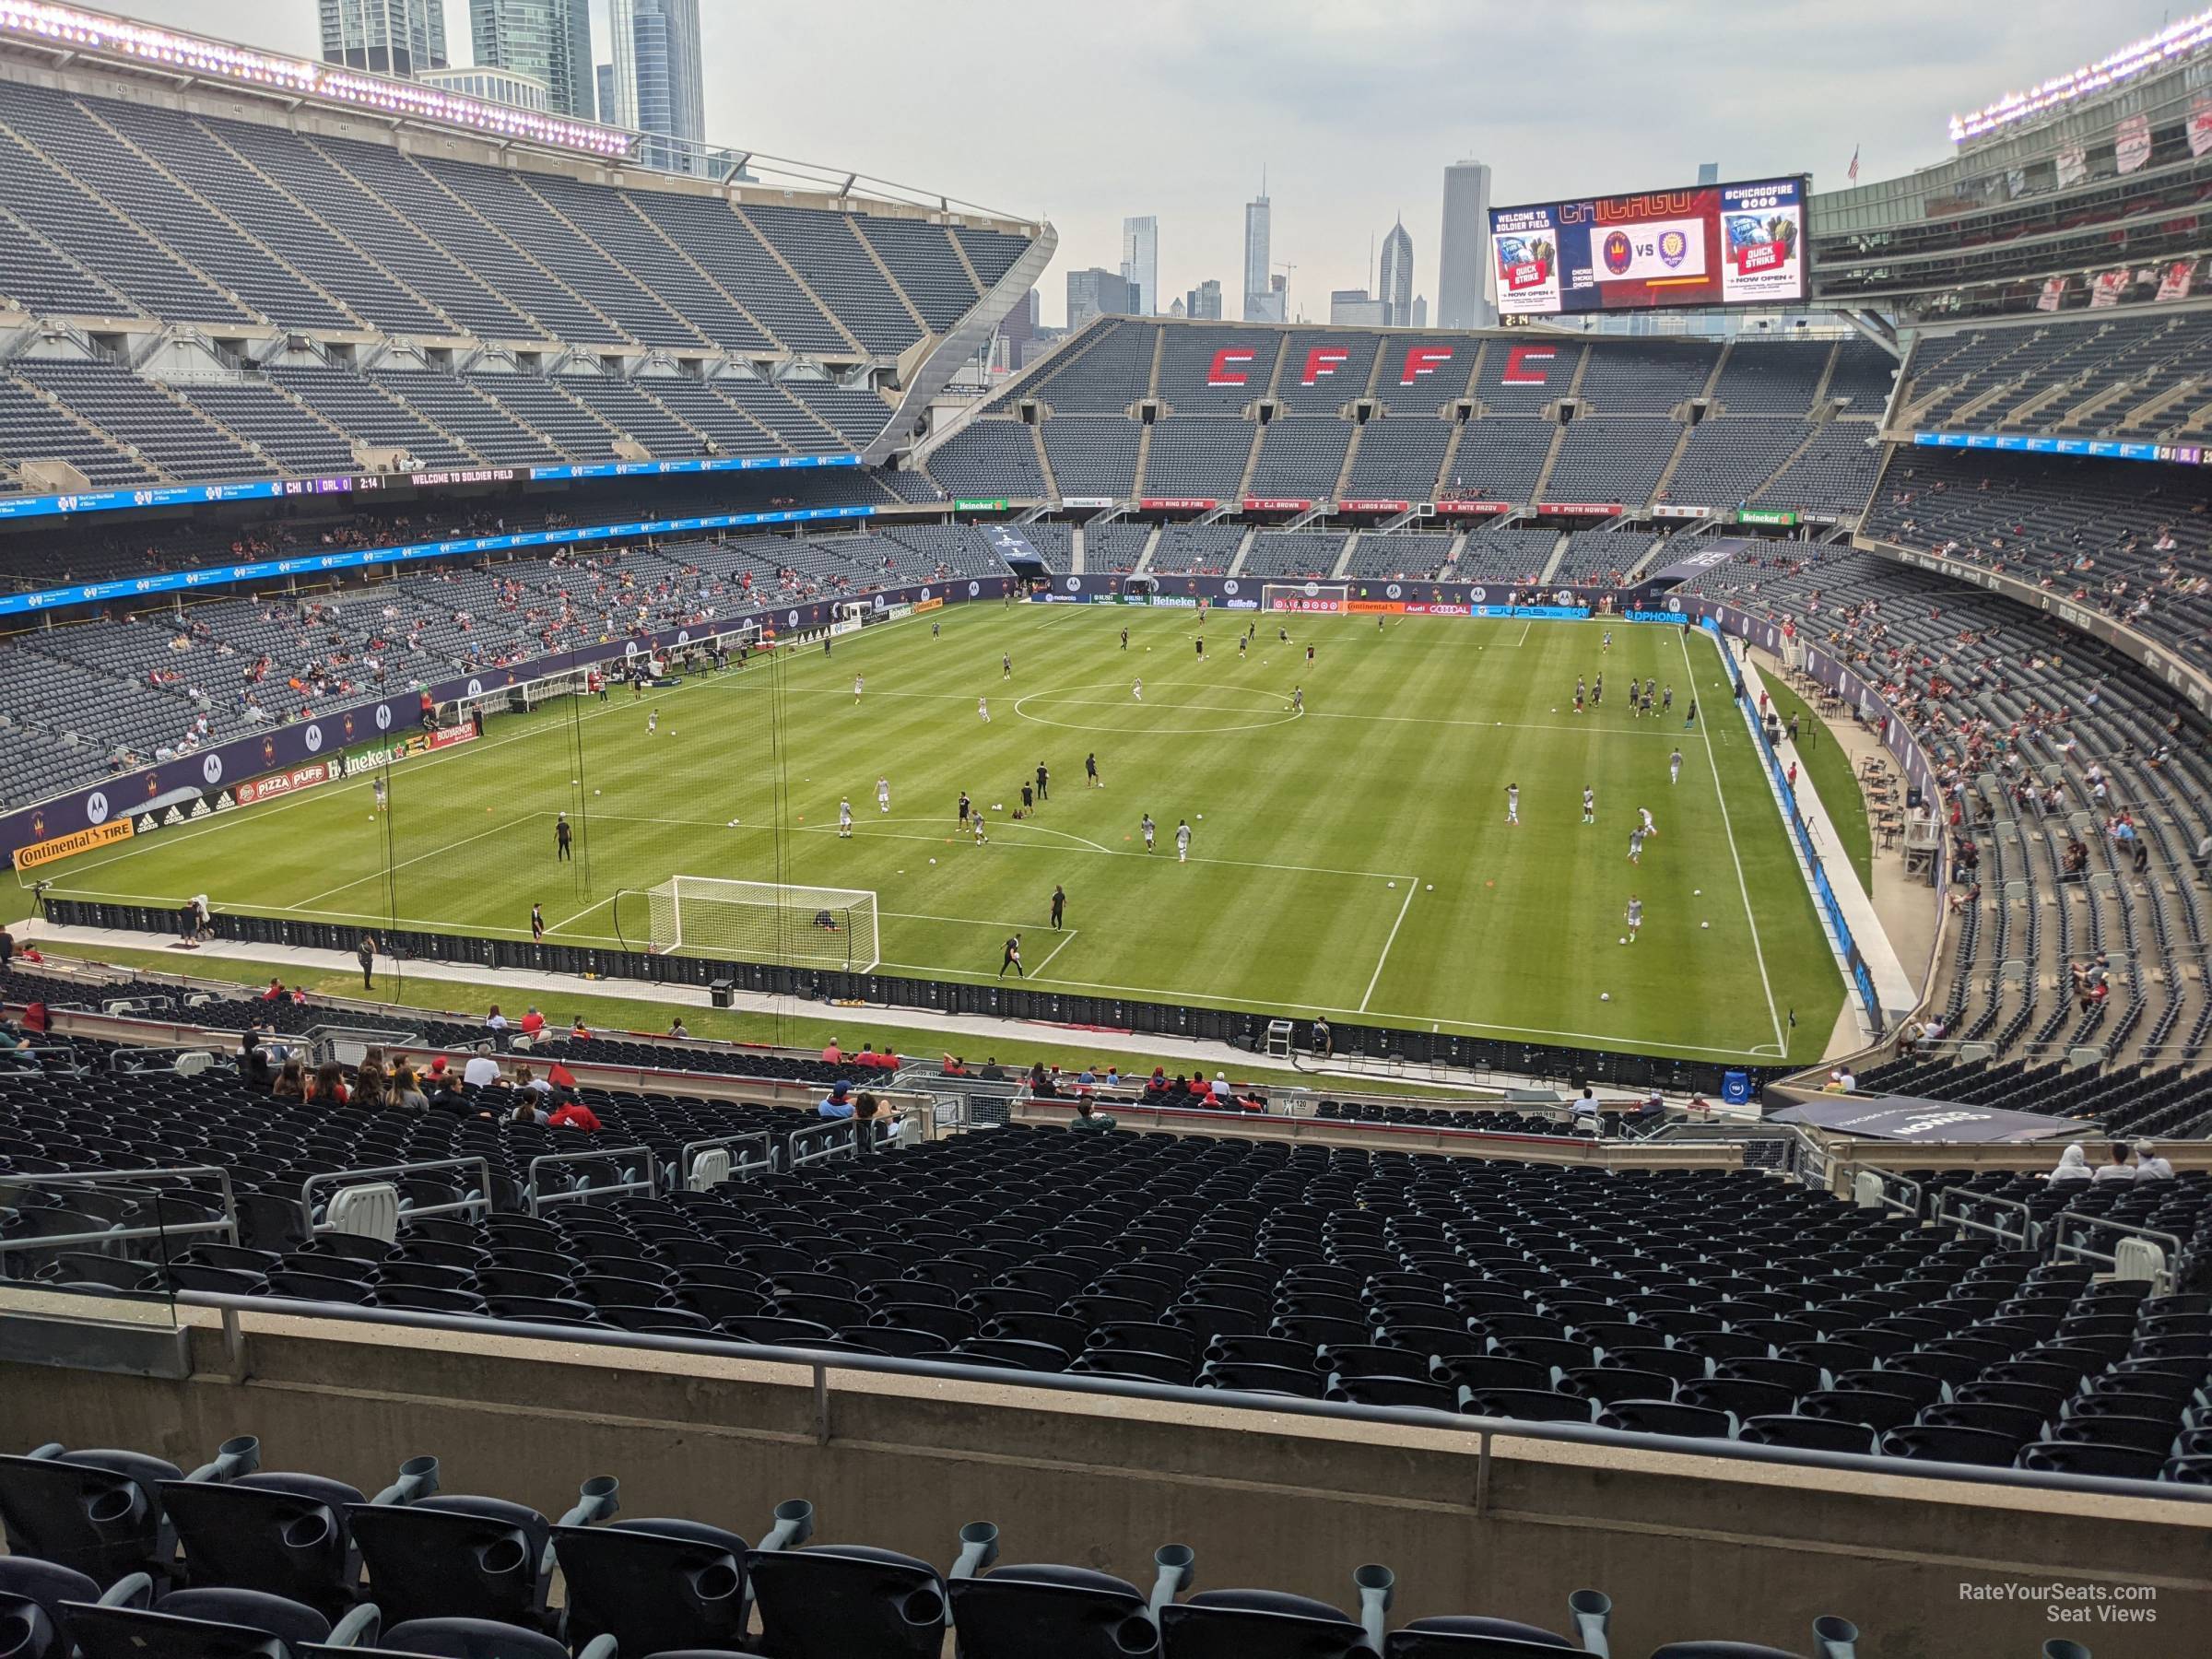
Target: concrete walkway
974 1036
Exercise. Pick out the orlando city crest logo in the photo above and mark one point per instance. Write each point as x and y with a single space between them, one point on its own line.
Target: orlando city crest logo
1673 245
1617 252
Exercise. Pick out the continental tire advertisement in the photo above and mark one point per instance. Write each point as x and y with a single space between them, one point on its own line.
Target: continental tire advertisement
69 846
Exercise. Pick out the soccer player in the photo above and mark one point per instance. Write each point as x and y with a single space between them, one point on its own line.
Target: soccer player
1693 716
1608 638
1199 640
1589 805
845 818
1059 904
1580 687
883 795
652 723
857 684
1666 699
1597 691
937 630
1512 802
982 709
1636 845
1029 797
1183 840
1090 772
825 645
1674 767
537 924
964 820
1146 825
1242 641
1043 779
1006 666
1125 638
1298 699
1649 686
1635 917
1283 635
977 820
1578 699
1012 958
561 834
1649 827
1309 654
1378 624
1138 690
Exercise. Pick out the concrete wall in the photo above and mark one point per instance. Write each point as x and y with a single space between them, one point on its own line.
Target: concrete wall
1686 1545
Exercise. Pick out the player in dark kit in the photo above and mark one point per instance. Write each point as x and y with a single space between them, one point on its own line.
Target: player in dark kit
561 834
963 806
537 924
1200 642
1125 638
1043 779
1013 958
1059 904
1090 771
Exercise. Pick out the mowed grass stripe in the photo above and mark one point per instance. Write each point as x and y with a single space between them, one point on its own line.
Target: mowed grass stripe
1398 769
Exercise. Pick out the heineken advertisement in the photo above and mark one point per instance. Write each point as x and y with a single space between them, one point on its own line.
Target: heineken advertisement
1765 515
998 506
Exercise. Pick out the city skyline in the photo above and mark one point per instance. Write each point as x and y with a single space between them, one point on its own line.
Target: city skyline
1198 99
549 40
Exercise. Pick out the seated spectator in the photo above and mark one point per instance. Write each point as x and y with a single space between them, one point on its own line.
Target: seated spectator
533 1023
2073 1165
578 1031
993 1071
839 1104
1086 1078
678 1029
955 1066
2122 1166
275 992
327 1087
526 1078
405 1094
866 1059
2149 1166
252 1061
1087 1116
575 1114
1586 1114
291 1081
495 1022
482 1071
368 1086
1114 1078
832 1054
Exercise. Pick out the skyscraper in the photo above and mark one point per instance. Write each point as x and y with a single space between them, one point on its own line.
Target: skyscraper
602 83
659 83
549 40
1140 263
1463 281
1259 250
1709 173
1393 286
1093 293
384 37
1203 303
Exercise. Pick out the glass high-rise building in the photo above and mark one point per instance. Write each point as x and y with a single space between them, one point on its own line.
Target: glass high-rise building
1394 286
1462 297
1203 303
1140 263
659 81
548 41
1260 303
384 37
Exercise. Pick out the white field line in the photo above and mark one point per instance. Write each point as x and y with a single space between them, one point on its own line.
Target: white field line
515 823
1742 887
1376 978
1056 949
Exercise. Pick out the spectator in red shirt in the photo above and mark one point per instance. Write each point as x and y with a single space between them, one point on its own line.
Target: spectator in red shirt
575 1115
832 1054
533 1023
276 991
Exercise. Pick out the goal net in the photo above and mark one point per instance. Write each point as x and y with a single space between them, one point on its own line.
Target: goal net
1305 595
765 922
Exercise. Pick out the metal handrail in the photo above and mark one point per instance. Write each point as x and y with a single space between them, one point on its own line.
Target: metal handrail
338 1179
741 1168
540 1201
820 1366
1904 1183
125 1235
2064 1248
832 1138
1950 1211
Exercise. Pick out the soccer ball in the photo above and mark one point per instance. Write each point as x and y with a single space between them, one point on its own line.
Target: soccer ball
1604 996
1394 886
1697 892
594 792
1624 939
933 860
1704 925
1429 889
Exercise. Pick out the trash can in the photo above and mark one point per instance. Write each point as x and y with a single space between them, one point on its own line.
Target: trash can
718 991
1736 1089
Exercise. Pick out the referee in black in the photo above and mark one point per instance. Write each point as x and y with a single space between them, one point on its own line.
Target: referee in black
563 835
1043 778
1059 904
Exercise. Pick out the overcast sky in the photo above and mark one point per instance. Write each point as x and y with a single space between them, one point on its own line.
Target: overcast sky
1083 114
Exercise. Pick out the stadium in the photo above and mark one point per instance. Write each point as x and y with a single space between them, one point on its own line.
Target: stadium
1213 988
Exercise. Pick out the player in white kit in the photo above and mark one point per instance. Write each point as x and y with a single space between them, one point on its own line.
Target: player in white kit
857 683
1512 802
982 709
1589 805
883 795
1635 916
1183 840
1138 690
1674 767
1649 827
845 818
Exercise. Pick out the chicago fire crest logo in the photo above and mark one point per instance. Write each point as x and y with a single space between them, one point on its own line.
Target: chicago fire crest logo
1617 252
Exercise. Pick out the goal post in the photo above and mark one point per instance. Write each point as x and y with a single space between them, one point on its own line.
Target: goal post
1324 596
766 922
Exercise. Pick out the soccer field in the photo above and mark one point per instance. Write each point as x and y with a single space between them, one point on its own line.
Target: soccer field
1353 859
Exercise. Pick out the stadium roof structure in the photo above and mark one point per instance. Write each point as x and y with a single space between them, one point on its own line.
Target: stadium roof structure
69 34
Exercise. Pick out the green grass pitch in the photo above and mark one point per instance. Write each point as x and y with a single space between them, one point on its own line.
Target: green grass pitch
1353 860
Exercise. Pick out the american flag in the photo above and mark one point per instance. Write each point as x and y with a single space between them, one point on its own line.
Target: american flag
1851 172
